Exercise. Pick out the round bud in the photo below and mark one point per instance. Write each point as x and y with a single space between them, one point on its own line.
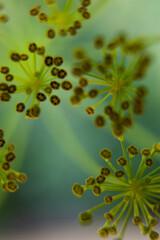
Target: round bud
83 82
85 217
90 181
137 220
15 57
41 50
78 190
12 89
109 216
75 100
9 77
77 24
32 47
5 97
90 110
86 15
79 54
146 152
99 42
112 230
62 74
48 61
77 71
99 121
96 190
41 97
125 105
66 85
35 111
55 85
72 31
105 153
20 107
5 166
119 173
122 161
55 100
24 57
153 235
51 33
10 157
57 61
133 150
105 171
100 179
108 199
22 177
103 232
54 71
48 90
149 162
12 186
11 176
78 91
4 70
93 93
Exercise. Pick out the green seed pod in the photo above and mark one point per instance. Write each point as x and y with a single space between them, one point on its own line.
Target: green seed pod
108 110
96 190
103 232
109 216
100 179
20 107
105 171
22 177
137 220
153 235
85 217
78 190
10 157
133 150
153 222
119 173
146 152
89 110
108 199
122 161
112 230
149 162
99 121
105 153
99 42
12 186
90 181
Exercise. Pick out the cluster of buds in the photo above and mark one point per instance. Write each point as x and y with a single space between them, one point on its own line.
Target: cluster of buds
8 177
64 21
137 195
37 81
114 74
3 17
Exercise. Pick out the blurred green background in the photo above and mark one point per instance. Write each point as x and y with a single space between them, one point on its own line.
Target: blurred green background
62 146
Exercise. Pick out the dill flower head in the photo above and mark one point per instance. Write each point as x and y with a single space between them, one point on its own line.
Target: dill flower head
114 73
8 176
41 76
137 195
64 19
3 17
